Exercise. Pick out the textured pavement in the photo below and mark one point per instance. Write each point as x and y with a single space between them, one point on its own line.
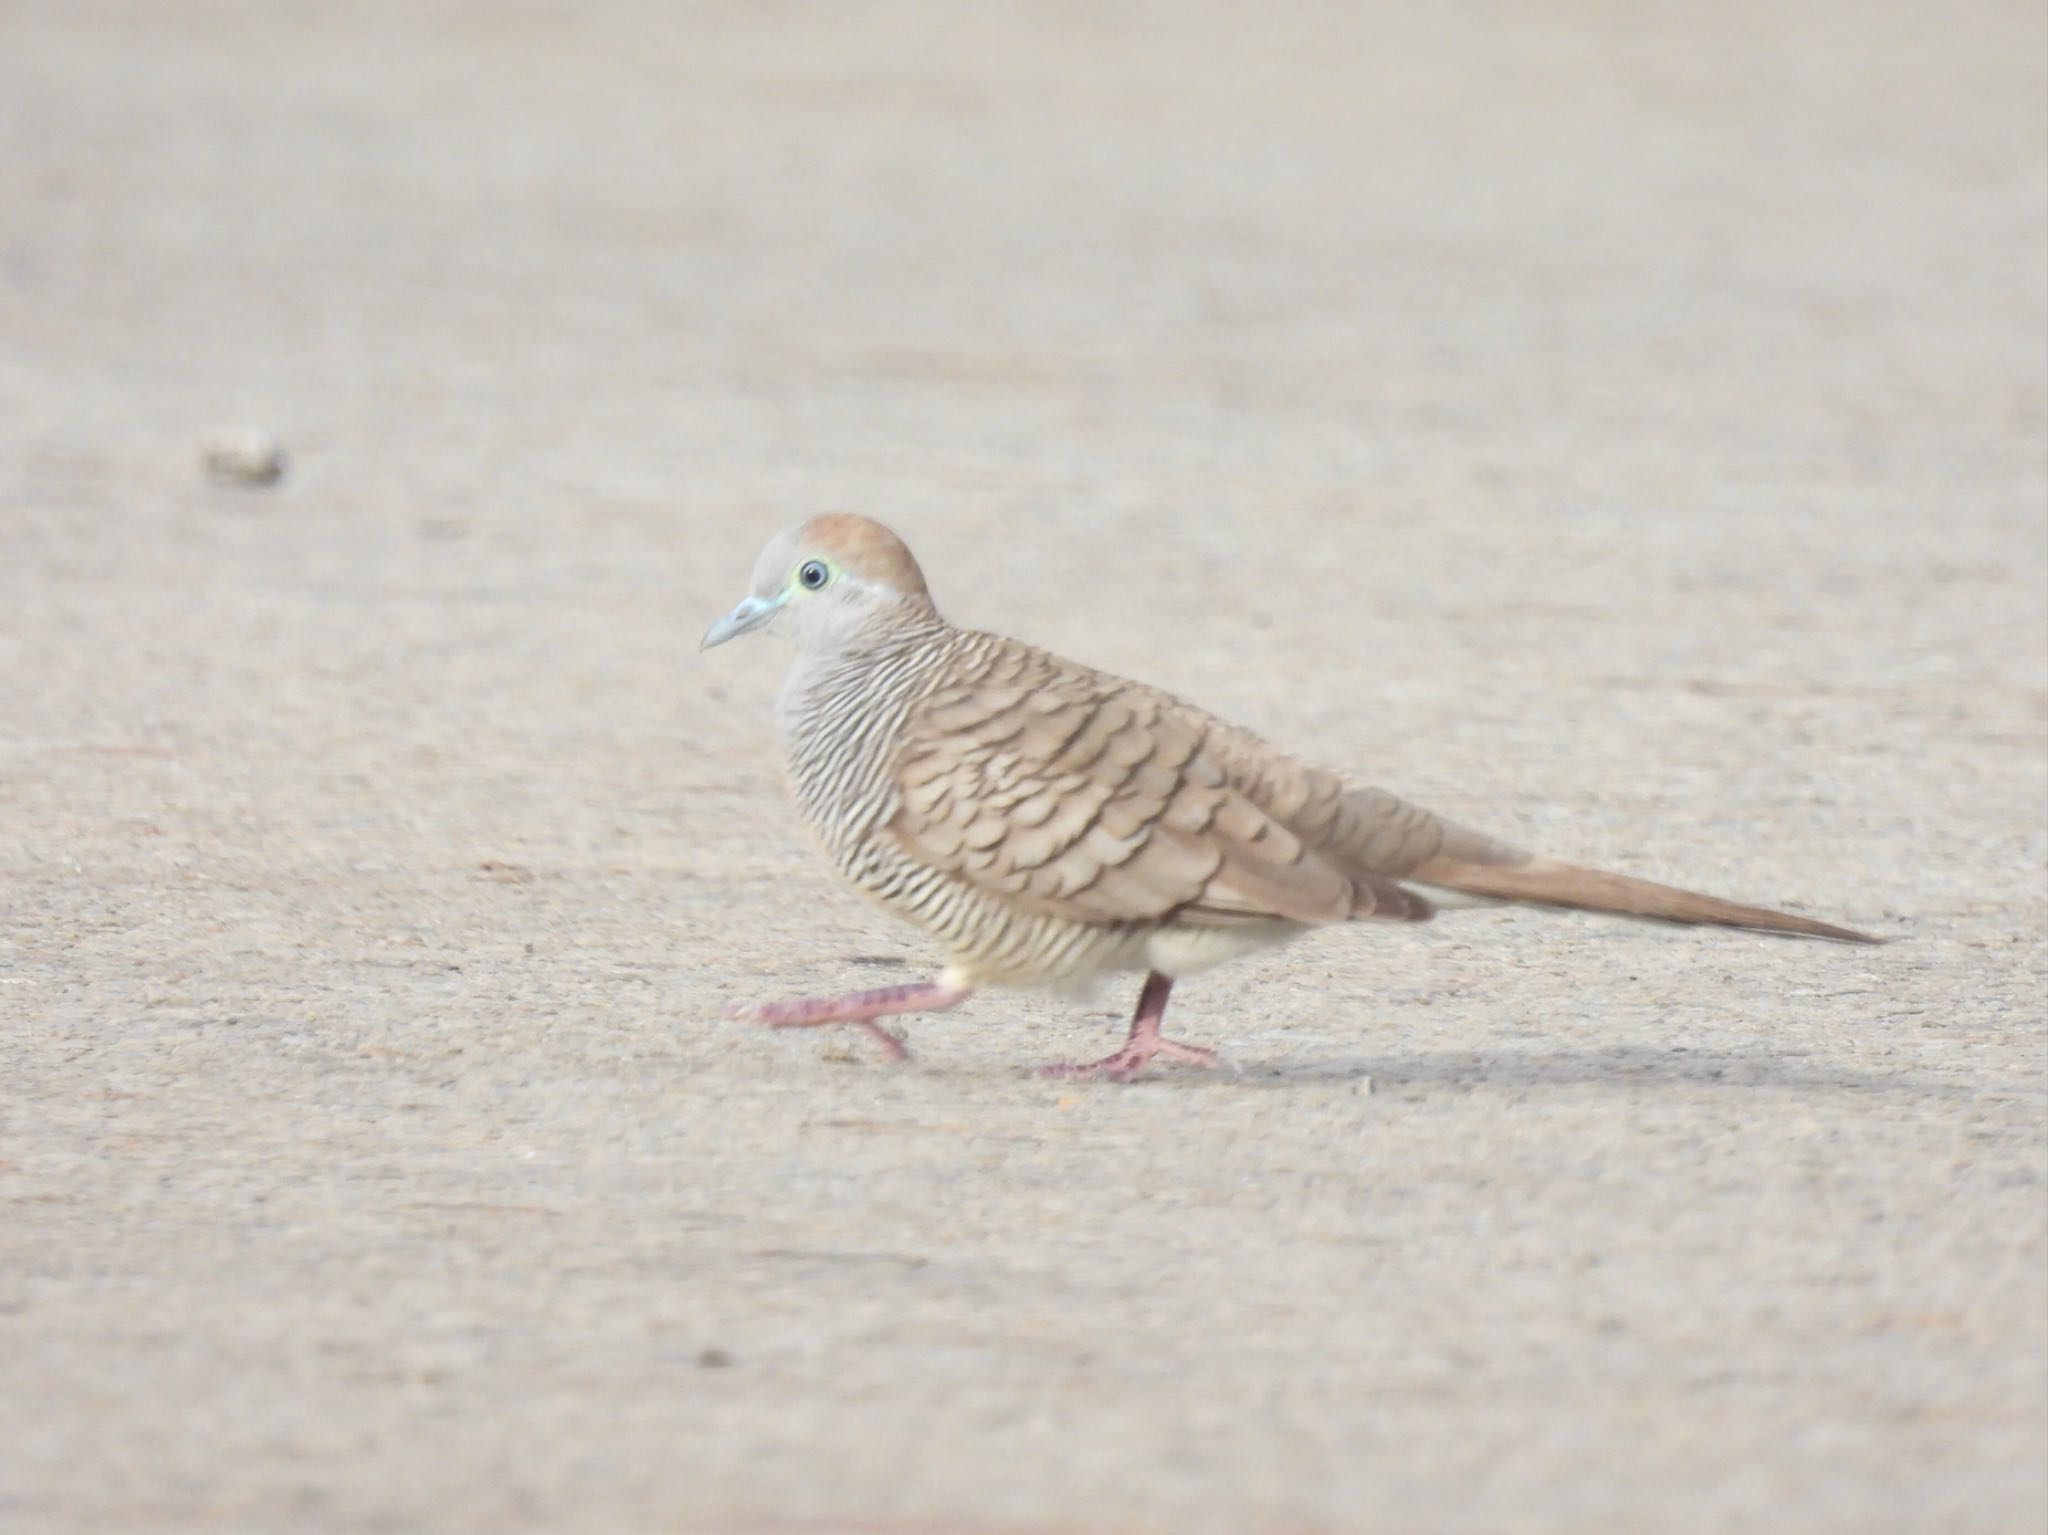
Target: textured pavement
1622 429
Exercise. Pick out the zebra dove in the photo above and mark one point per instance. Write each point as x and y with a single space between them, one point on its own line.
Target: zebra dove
1050 824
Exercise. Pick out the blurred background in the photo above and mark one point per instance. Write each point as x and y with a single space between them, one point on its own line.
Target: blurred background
1620 426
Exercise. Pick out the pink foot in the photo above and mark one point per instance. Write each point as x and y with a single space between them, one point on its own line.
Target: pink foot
1131 1060
763 1012
1144 1045
859 1008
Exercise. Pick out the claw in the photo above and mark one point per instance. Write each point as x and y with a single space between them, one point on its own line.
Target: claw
1144 1045
860 1009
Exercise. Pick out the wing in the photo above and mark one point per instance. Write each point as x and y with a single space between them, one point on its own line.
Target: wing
1082 796
1365 830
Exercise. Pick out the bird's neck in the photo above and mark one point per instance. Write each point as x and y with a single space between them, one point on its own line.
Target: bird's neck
841 711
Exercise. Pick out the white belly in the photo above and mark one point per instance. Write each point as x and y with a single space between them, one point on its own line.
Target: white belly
1180 951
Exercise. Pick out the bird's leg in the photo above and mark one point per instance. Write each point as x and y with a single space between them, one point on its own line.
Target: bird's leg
1144 1044
860 1008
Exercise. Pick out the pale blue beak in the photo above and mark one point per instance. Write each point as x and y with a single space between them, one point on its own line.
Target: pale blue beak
750 614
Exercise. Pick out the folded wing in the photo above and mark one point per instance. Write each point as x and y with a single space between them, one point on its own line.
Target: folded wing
1082 796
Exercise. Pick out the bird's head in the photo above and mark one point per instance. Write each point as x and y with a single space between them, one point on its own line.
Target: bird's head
832 583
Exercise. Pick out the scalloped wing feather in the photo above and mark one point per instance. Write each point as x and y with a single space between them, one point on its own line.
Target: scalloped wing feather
1078 795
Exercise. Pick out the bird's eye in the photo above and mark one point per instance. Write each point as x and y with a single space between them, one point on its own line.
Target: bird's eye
813 574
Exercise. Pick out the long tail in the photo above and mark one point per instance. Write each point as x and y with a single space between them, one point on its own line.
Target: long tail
1546 882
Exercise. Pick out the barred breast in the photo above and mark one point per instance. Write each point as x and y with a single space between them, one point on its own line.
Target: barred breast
843 719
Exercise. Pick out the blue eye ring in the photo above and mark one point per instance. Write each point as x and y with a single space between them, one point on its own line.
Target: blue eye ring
812 574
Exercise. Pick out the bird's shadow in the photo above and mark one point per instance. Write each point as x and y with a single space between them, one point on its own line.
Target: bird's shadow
1625 1067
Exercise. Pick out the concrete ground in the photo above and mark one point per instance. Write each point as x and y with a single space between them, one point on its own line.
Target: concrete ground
1619 427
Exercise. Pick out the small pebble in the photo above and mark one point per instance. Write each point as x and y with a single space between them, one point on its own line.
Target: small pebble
714 1359
246 458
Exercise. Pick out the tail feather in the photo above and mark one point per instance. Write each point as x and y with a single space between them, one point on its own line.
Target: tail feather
1546 882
